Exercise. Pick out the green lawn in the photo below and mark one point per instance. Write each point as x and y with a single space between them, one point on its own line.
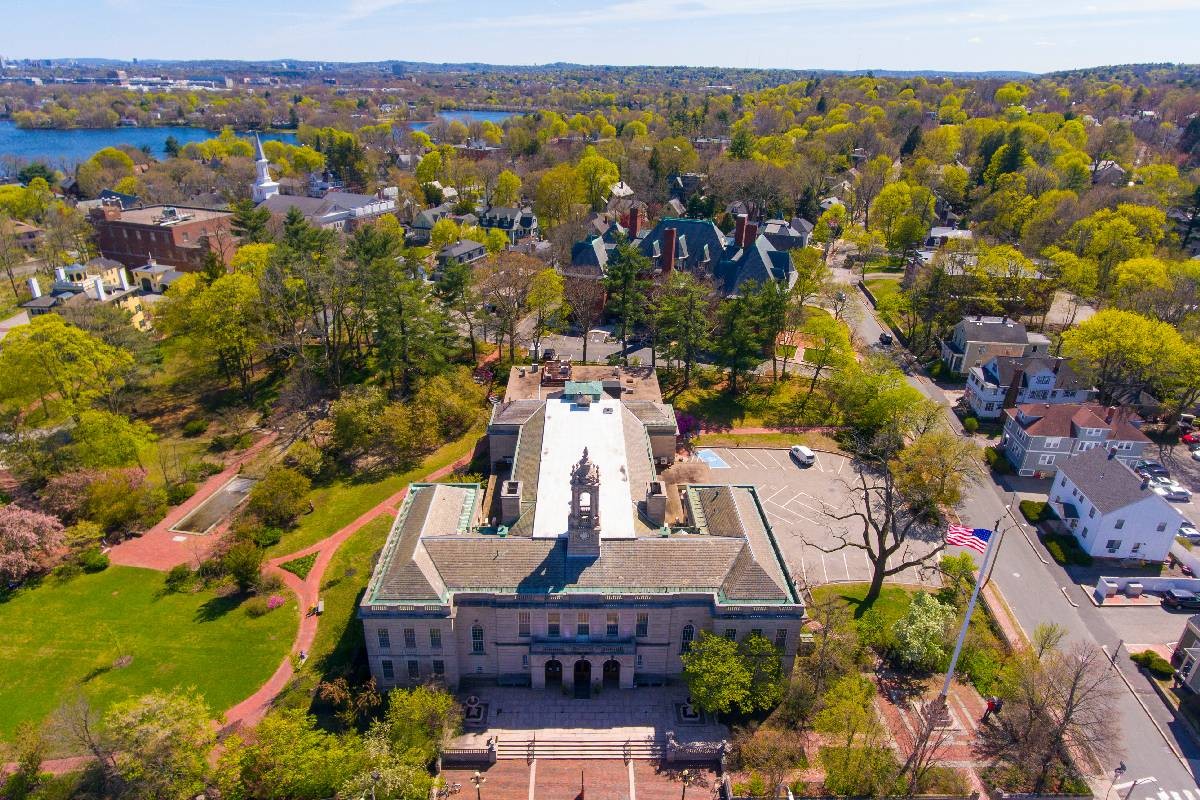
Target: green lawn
761 404
883 288
339 634
892 603
345 498
817 440
63 638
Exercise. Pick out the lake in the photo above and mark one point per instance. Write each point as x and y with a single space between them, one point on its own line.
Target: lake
466 117
66 148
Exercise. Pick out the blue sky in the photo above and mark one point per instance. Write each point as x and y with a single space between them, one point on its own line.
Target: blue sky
1034 35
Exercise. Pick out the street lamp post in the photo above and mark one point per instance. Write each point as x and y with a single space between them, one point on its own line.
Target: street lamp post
1117 772
479 780
685 778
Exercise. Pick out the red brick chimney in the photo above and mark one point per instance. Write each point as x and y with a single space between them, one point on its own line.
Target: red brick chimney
751 234
1108 416
667 260
1014 389
739 233
635 222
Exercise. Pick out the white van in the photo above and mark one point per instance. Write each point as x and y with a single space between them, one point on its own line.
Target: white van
803 456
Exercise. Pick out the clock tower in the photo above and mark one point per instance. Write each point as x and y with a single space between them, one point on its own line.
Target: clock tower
583 524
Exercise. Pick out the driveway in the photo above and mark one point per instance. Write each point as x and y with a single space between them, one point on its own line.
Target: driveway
601 345
800 503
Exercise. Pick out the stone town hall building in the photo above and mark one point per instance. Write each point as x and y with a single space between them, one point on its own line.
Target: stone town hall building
576 579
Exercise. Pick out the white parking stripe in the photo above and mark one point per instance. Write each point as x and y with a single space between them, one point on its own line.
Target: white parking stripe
817 461
841 464
825 568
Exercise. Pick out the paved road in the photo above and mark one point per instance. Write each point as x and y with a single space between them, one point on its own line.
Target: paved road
1034 592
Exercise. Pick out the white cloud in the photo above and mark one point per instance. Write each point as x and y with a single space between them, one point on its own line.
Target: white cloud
975 40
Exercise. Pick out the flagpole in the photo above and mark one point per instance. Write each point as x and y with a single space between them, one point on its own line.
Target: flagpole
962 633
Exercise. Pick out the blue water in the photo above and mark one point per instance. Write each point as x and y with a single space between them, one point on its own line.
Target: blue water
66 148
466 117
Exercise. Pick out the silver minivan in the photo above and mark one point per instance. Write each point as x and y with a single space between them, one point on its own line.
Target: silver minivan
803 455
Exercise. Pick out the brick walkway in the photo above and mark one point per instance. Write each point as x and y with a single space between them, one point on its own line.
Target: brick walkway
505 779
251 710
161 549
899 711
655 782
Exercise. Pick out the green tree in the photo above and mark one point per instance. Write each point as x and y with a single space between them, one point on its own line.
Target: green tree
685 320
1122 351
289 758
933 470
49 358
223 321
764 663
161 743
105 439
716 677
546 303
558 191
279 497
508 189
739 339
596 176
250 224
830 348
627 287
243 562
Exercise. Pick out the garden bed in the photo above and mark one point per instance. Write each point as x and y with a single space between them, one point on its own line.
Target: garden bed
216 508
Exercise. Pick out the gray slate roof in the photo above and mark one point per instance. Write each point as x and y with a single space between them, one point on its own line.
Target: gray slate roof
994 329
1106 482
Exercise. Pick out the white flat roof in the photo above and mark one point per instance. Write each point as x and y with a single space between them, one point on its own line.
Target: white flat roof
569 429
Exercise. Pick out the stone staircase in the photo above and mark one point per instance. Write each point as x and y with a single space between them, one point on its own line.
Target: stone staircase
584 745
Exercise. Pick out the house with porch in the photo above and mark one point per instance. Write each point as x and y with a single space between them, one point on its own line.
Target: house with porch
1007 381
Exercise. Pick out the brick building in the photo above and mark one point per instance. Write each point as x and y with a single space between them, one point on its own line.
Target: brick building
173 235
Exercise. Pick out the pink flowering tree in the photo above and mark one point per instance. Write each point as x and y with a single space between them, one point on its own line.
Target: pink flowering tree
25 538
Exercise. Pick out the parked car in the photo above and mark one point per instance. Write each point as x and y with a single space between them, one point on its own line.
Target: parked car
803 456
1196 454
1191 438
1180 598
1188 531
1151 468
886 339
1165 487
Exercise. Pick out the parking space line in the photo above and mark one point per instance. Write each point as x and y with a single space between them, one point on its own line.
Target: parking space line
779 459
846 562
751 454
730 454
777 492
817 461
841 464
825 568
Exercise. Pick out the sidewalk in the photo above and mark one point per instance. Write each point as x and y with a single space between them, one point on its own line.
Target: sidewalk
251 710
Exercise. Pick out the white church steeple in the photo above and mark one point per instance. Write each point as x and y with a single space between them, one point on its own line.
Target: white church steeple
264 185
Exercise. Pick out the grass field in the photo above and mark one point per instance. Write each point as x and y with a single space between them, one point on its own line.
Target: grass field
817 440
339 634
64 638
892 603
341 501
762 404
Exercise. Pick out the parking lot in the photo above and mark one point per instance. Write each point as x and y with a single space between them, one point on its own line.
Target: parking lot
799 502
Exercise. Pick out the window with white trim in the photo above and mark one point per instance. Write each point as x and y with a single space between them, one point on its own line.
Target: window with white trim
385 640
477 638
414 669
389 671
522 623
410 639
643 625
435 638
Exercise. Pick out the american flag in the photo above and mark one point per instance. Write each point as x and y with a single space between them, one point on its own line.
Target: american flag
974 538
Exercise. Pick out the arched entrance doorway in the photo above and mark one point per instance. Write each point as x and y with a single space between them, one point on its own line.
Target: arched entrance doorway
612 674
553 673
583 678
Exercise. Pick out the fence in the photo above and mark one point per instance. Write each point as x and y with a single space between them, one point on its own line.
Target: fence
469 756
